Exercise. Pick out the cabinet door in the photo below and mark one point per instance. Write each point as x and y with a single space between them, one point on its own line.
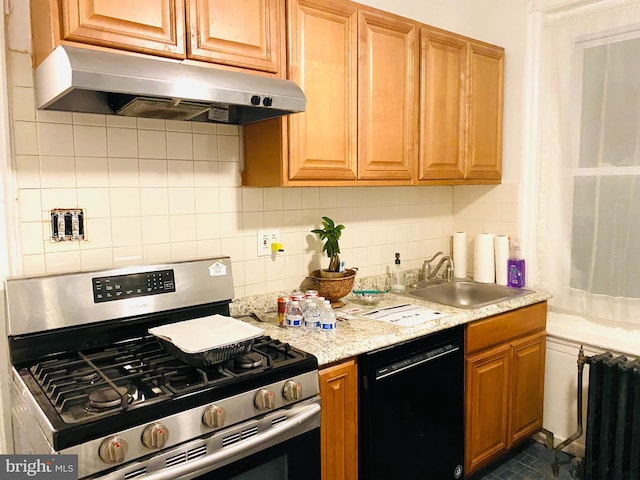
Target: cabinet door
487 405
387 97
322 60
486 76
443 67
242 33
528 386
148 26
338 430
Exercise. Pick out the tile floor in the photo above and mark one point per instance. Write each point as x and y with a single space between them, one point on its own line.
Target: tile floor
532 461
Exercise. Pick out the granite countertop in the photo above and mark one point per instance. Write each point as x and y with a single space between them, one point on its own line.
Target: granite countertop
359 334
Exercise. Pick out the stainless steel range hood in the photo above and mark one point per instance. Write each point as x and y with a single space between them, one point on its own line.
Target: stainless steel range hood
85 80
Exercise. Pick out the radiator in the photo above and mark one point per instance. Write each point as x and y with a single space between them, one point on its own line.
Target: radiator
612 445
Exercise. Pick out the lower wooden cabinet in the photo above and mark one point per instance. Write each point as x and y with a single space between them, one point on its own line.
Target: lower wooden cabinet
505 357
339 428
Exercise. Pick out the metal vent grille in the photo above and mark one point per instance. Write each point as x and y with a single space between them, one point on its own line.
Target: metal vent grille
196 452
278 420
236 437
175 460
135 473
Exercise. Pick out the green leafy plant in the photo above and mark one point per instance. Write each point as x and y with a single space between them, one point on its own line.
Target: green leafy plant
330 235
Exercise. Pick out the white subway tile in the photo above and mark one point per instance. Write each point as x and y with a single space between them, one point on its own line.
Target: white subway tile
229 174
273 199
251 221
120 121
95 202
230 199
207 200
160 253
54 116
151 124
231 225
208 248
124 172
155 230
180 173
23 104
25 135
205 147
274 219
122 142
96 259
152 144
27 171
181 201
205 127
90 141
182 228
252 199
178 126
153 173
31 238
61 262
19 68
292 198
57 171
228 149
127 255
33 265
207 226
58 198
180 145
98 233
224 129
126 231
55 139
205 174
182 251
89 119
154 201
92 172
125 202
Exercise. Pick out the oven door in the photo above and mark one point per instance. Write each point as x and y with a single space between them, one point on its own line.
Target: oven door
289 450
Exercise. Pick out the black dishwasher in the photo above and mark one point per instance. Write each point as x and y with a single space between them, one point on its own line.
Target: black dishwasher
411 409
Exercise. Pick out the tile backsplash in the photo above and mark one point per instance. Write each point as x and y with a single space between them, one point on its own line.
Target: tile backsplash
156 191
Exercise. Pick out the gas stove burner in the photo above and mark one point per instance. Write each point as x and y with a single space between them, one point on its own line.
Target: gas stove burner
249 361
107 398
85 374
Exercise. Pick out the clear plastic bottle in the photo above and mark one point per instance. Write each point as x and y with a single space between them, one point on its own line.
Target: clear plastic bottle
327 318
294 314
311 314
397 277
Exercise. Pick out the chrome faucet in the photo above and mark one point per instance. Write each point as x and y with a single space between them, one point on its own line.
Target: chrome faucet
430 273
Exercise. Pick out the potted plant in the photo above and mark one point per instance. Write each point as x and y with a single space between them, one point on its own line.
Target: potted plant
331 283
330 235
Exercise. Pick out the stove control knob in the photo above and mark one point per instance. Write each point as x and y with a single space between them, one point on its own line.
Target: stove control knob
264 400
113 450
214 416
155 436
292 391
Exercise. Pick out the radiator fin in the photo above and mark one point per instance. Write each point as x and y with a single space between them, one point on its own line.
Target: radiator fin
612 447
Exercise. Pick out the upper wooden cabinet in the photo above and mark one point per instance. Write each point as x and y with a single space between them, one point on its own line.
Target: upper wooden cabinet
358 68
461 89
387 96
237 33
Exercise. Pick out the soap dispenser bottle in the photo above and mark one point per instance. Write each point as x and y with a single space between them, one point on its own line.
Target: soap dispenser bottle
397 277
515 267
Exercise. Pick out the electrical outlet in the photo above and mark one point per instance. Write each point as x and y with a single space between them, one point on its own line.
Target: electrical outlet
265 239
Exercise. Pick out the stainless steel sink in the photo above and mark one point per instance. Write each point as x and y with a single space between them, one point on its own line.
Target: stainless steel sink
466 294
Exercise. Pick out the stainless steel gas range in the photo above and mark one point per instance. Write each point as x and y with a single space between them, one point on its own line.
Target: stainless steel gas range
88 379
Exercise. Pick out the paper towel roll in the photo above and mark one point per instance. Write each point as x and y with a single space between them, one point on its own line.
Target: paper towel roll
501 247
460 254
484 267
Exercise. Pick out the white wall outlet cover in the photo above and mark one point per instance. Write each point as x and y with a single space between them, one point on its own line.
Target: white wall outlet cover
265 239
217 269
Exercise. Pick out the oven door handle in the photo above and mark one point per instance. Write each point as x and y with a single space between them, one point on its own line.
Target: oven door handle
295 425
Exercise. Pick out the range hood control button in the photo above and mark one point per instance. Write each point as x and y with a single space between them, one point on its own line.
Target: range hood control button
155 436
214 416
267 102
264 400
255 100
292 391
113 450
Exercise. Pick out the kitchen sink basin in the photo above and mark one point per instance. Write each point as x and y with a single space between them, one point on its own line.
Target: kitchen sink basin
466 294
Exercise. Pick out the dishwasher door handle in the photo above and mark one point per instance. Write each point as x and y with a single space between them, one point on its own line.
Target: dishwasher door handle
413 362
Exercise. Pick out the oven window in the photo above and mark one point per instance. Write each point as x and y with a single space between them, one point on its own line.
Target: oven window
295 459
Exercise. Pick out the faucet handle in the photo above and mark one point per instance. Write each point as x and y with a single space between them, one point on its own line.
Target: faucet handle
433 258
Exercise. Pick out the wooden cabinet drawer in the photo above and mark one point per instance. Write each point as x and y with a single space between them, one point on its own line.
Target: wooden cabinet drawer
502 328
